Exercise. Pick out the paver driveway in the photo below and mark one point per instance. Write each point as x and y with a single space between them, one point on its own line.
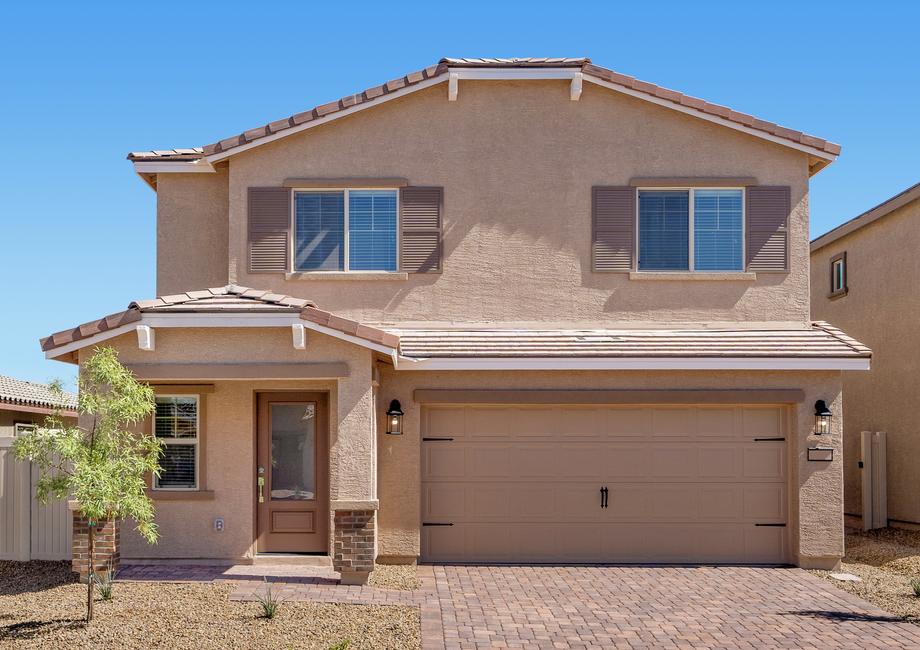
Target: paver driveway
656 607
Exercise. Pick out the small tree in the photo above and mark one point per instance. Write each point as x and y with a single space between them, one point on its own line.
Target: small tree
101 462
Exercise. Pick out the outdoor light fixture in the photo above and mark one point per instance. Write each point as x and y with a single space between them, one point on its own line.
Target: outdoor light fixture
823 417
394 418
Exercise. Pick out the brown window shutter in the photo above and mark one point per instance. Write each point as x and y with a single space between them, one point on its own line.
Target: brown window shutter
269 229
613 222
767 225
420 222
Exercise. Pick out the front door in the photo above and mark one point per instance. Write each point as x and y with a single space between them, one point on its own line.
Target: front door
292 488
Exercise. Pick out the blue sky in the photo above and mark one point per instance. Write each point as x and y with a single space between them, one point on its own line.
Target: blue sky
84 83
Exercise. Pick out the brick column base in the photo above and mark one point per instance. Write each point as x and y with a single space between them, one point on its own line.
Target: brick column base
105 544
353 545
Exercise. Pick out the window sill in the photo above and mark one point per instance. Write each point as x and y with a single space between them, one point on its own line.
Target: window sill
181 495
736 276
392 276
837 294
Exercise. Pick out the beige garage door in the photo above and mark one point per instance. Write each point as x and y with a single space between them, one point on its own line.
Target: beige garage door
684 484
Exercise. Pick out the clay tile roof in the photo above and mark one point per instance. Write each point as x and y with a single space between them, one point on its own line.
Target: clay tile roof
414 78
229 299
18 392
819 341
169 154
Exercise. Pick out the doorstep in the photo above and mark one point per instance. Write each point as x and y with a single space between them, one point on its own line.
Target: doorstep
291 559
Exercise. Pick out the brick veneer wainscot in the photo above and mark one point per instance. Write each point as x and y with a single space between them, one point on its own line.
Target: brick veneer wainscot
353 545
105 542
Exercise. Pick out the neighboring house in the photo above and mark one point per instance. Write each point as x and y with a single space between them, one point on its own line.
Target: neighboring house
29 530
862 280
587 294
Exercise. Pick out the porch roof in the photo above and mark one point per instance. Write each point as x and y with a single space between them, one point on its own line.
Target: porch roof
818 346
219 301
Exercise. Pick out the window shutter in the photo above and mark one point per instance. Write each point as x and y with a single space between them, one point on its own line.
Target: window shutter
269 229
767 224
420 222
613 219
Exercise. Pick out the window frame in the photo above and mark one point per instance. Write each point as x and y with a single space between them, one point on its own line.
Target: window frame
346 240
691 228
844 288
196 442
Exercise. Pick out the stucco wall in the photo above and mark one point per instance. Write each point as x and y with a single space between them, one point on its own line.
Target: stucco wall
517 161
816 534
192 231
881 310
187 525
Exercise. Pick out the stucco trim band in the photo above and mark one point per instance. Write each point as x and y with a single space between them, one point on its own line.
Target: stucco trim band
664 396
239 370
692 181
355 504
345 182
635 363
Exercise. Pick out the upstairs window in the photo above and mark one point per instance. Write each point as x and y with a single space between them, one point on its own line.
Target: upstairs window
175 423
345 230
839 275
691 230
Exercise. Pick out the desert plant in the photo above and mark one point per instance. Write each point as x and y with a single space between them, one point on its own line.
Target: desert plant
268 602
341 645
915 585
101 461
106 583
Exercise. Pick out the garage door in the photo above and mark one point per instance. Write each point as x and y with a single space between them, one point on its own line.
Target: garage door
683 484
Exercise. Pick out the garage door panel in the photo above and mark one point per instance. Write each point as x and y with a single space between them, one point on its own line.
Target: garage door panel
443 461
674 422
765 461
765 503
628 422
763 422
444 421
686 484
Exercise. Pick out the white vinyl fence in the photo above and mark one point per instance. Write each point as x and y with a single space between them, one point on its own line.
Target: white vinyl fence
28 529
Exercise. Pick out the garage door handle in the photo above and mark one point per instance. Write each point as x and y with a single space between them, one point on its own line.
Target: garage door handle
604 497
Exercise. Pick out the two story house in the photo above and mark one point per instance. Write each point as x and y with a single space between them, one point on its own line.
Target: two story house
496 310
861 279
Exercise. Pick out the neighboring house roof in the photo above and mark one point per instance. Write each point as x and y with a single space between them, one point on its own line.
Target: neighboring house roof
644 90
18 392
881 210
819 341
231 299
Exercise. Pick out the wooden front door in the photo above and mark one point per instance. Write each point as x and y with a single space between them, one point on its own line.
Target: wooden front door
292 473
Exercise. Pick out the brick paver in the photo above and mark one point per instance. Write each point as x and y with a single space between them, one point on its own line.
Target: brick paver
656 607
632 607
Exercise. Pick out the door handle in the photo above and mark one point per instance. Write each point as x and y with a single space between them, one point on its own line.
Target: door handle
604 495
261 481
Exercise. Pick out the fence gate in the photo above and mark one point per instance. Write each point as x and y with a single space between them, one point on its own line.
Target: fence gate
29 530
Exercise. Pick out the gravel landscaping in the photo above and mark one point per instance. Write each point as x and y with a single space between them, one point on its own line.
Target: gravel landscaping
394 576
886 560
41 606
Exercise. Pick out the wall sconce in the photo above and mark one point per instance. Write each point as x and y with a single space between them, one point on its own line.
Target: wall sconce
394 418
823 417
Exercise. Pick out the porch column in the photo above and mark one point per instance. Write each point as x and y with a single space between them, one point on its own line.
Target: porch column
105 544
353 476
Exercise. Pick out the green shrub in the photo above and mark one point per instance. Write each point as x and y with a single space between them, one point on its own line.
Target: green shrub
268 602
915 585
106 583
341 645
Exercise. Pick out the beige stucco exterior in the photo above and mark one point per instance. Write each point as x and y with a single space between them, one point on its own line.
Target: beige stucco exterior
881 309
191 218
517 160
229 430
